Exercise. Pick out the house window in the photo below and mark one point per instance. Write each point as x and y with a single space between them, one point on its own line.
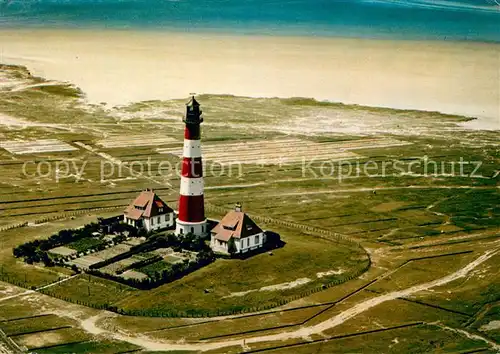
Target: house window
152 221
192 230
256 239
181 231
160 210
248 242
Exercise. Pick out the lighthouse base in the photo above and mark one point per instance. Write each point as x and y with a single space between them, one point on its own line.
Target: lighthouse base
183 228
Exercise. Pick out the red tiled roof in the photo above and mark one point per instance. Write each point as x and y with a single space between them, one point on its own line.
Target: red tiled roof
134 214
147 204
235 224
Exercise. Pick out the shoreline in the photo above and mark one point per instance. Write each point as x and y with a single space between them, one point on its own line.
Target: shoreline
121 67
232 33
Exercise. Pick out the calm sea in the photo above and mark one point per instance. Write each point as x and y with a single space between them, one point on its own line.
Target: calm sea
476 20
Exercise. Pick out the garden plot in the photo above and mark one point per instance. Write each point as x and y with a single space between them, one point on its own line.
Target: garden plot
113 251
116 266
113 268
170 256
163 251
134 274
86 261
134 241
121 141
90 259
286 150
35 146
63 251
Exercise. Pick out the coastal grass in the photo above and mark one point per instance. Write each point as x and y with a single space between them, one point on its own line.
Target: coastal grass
422 271
415 339
263 324
18 308
42 323
394 313
90 290
50 338
472 294
93 346
486 323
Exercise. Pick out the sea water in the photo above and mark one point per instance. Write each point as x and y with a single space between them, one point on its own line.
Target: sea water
475 20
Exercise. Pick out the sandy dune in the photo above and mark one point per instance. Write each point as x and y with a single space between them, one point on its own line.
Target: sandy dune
118 67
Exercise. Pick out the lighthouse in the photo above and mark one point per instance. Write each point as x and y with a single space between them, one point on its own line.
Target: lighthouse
191 218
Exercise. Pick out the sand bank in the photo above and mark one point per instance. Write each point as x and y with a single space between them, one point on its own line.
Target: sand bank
119 67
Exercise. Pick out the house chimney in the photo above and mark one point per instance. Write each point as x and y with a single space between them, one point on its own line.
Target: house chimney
237 207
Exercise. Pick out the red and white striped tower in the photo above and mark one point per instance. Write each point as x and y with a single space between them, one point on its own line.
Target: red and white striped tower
191 218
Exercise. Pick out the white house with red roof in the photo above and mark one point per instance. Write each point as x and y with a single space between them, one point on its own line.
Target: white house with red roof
148 211
243 231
